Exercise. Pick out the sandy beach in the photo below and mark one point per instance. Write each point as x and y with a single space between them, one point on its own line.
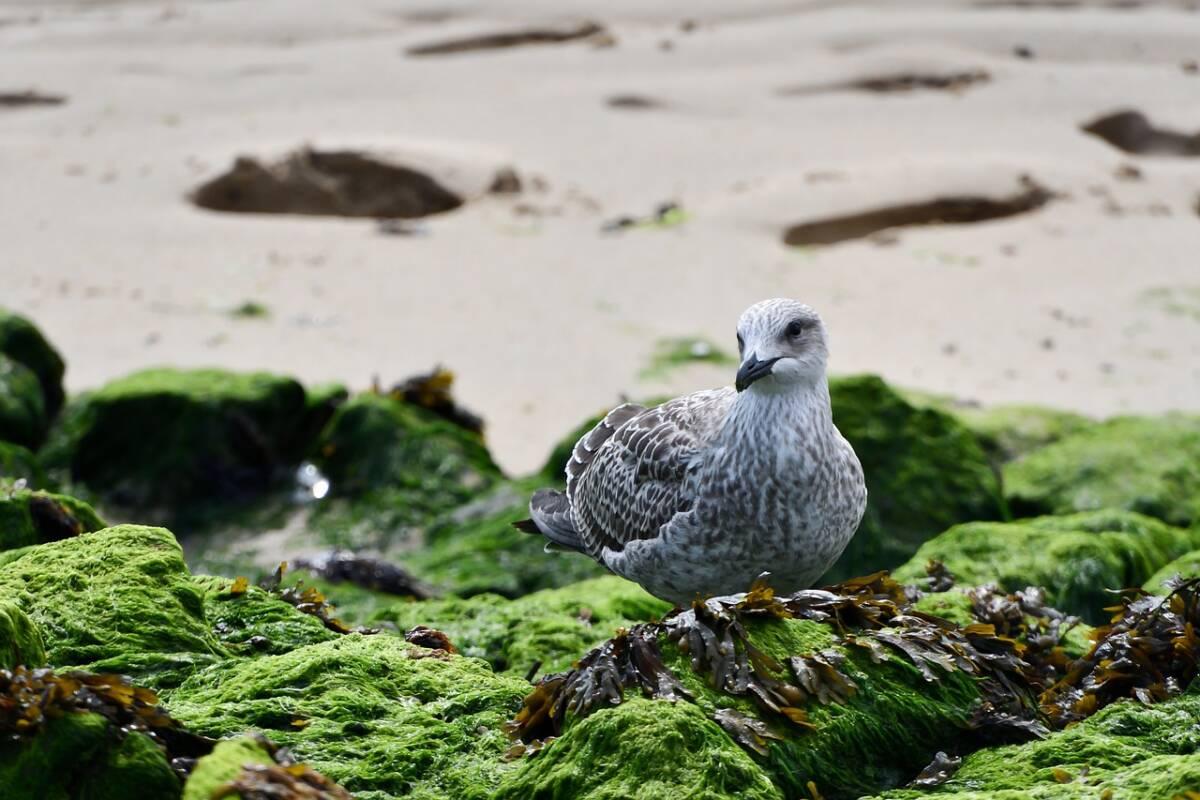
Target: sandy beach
754 119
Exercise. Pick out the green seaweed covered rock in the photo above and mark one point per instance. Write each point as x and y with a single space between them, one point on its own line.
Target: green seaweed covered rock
222 765
924 471
117 600
545 631
1009 432
1142 464
382 717
164 437
23 418
20 640
82 756
19 463
1125 751
28 518
253 622
1186 566
21 341
1077 558
393 466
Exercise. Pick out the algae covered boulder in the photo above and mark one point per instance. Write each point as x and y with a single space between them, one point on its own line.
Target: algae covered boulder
1142 464
394 466
117 600
20 640
544 631
1186 566
164 437
19 463
22 342
924 471
1079 558
23 418
223 764
249 621
382 717
29 518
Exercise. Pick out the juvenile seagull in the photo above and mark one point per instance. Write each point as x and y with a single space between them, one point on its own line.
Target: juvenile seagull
700 495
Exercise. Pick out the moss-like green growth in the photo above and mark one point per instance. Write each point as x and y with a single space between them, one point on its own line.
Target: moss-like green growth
380 716
394 466
28 518
475 549
1186 566
1125 751
23 417
20 639
1148 465
82 757
670 354
955 605
250 309
118 600
21 341
644 750
19 463
924 471
165 437
1076 558
255 622
223 765
552 627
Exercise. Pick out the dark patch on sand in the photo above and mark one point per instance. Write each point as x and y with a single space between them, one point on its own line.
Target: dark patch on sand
509 39
1132 132
339 183
898 83
29 98
633 102
954 210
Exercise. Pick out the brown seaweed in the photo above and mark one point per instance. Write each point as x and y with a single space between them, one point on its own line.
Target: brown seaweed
284 780
431 391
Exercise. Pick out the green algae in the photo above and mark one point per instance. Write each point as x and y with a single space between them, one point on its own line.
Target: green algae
394 467
1186 566
169 437
1076 558
20 640
1009 432
1134 751
924 472
255 622
21 341
223 765
641 750
546 630
23 417
1147 465
381 717
28 518
117 600
672 353
19 463
81 757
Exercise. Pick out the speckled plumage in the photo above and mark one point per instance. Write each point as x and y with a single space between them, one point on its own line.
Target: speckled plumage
698 496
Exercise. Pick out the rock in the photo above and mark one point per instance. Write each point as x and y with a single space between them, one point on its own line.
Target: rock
117 600
23 418
1147 465
646 749
28 518
20 639
254 623
82 755
382 717
1076 558
223 765
924 470
1125 751
398 466
21 341
19 463
544 631
1186 566
168 437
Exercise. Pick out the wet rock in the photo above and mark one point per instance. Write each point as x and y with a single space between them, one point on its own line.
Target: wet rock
168 437
1078 558
1142 464
925 472
380 716
21 341
117 600
29 517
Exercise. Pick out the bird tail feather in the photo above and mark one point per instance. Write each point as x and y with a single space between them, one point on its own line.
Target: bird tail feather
551 517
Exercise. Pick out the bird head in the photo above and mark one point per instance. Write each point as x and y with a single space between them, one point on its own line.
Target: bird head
782 346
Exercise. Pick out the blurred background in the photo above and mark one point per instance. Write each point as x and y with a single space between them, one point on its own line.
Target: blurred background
567 203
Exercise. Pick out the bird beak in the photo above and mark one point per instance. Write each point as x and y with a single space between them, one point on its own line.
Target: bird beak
751 370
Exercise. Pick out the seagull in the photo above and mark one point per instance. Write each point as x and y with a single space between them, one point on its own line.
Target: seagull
701 495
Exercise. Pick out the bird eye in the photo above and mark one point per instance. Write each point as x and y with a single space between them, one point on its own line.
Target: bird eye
795 328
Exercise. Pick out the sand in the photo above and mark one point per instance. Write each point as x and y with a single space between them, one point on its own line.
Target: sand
753 117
